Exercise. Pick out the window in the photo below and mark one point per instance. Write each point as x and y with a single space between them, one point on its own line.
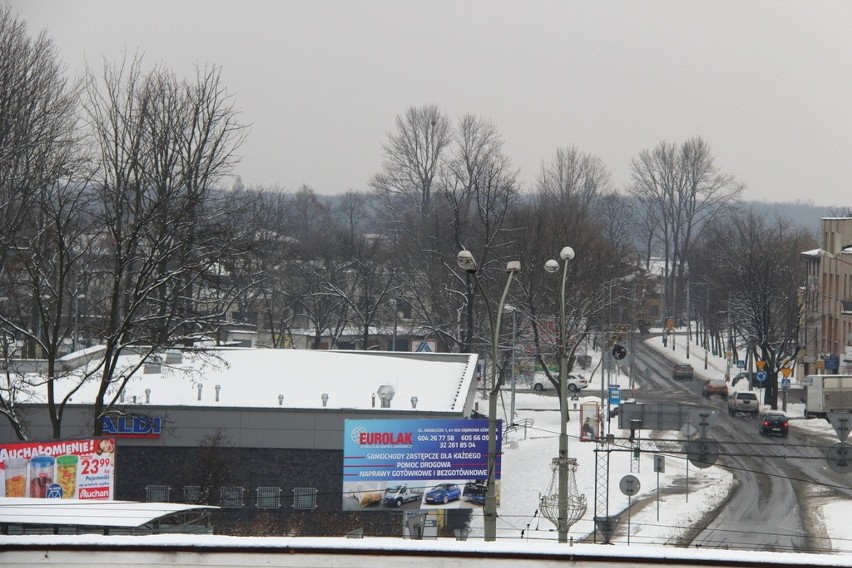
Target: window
304 498
268 498
191 493
231 497
157 493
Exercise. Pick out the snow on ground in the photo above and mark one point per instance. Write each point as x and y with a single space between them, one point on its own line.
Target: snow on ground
686 493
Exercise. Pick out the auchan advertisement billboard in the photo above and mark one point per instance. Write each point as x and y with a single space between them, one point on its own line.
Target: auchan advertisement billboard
66 469
416 464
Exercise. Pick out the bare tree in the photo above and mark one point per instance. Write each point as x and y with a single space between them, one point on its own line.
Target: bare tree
37 119
413 157
682 190
569 208
161 145
38 158
756 260
356 276
479 187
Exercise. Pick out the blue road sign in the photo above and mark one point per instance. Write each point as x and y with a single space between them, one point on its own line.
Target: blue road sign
760 376
614 395
785 384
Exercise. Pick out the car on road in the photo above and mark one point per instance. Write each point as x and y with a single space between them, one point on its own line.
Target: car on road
683 371
443 493
743 402
715 386
576 383
774 423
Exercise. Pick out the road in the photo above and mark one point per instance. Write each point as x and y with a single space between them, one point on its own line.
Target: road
779 482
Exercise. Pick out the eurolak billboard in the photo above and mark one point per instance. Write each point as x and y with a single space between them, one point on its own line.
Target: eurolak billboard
417 464
67 469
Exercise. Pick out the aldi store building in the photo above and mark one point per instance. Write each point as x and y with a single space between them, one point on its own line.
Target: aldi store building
260 432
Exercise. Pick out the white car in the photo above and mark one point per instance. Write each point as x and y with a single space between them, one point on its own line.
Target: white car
576 383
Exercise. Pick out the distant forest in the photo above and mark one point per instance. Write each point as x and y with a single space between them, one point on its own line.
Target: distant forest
805 214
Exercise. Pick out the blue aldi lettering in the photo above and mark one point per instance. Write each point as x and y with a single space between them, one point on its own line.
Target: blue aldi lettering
133 426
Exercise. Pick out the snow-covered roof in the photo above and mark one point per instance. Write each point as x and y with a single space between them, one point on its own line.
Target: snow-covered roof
294 378
81 512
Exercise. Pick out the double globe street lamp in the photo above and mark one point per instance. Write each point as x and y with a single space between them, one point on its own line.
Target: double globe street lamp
563 523
467 263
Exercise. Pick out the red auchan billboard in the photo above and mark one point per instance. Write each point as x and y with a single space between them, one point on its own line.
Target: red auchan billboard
66 469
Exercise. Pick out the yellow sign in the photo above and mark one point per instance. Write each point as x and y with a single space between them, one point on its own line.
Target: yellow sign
760 365
670 324
786 371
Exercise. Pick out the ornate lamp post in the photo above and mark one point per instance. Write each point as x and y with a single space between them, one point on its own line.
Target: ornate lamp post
467 263
562 524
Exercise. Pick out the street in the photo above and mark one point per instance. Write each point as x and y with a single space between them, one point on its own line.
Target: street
779 481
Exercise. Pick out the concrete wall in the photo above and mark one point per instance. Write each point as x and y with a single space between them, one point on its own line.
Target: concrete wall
204 550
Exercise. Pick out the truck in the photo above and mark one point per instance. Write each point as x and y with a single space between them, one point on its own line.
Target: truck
743 402
396 495
827 393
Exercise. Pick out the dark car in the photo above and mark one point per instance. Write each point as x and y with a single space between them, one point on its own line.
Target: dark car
743 376
774 423
474 491
683 371
443 493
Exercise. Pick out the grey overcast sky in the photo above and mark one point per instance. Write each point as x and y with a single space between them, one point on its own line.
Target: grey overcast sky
767 83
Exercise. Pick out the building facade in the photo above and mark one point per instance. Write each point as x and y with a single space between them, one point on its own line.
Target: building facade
259 432
827 299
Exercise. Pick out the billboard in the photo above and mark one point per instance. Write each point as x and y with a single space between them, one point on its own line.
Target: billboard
417 464
67 469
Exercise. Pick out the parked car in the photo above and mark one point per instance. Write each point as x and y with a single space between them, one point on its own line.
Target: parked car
683 371
443 493
715 386
743 376
774 423
743 401
576 383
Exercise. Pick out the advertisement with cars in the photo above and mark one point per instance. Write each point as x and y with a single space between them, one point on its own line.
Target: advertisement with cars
417 464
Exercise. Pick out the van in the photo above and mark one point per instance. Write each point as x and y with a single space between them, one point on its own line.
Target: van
827 393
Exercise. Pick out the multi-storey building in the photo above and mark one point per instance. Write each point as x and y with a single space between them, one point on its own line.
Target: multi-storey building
827 298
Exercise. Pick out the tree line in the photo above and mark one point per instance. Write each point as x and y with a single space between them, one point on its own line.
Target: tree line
118 202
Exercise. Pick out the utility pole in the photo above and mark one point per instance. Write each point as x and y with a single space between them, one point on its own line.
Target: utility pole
688 321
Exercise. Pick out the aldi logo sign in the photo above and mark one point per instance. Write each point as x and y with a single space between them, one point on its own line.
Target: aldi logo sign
133 426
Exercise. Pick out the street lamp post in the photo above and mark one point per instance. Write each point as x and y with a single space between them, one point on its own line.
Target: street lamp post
565 254
512 309
74 341
467 263
395 311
